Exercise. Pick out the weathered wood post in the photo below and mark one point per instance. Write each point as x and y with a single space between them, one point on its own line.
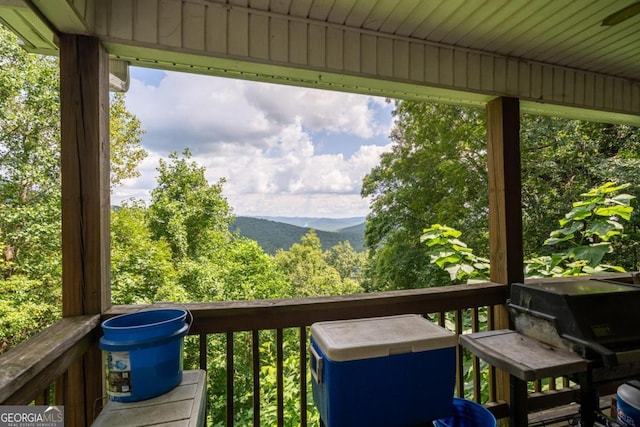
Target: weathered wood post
84 102
505 218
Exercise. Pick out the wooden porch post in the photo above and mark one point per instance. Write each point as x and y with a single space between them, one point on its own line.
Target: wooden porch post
84 102
505 215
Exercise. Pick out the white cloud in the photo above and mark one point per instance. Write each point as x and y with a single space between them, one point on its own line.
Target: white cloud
260 138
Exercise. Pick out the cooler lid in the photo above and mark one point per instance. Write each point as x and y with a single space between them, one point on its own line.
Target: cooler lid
355 339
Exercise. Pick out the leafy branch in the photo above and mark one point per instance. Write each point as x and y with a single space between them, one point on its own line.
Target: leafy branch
586 235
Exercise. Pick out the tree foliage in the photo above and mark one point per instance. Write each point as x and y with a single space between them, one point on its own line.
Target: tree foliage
187 211
125 134
30 177
308 272
588 233
436 174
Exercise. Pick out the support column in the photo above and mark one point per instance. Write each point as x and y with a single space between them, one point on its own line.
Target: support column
84 103
505 219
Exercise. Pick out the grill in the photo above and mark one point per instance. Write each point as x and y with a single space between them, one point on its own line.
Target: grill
597 319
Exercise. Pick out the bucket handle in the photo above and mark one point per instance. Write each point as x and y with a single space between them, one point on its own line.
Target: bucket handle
190 322
315 365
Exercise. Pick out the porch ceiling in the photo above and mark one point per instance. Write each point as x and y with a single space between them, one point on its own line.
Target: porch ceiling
555 55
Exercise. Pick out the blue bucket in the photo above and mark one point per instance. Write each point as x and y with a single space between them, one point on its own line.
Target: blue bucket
467 414
143 353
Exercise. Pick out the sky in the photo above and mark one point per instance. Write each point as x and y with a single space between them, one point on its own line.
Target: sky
283 150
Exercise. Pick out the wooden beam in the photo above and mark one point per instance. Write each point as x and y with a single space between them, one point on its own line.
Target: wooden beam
84 100
505 187
233 316
505 214
84 103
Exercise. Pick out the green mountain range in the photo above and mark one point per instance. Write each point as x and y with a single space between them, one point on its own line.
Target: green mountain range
278 232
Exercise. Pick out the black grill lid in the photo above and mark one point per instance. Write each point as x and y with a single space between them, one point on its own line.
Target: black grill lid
589 316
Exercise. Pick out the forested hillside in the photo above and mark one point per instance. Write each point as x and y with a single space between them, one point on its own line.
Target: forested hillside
324 224
273 235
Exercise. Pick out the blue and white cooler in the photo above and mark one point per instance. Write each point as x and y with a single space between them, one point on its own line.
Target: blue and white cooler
385 371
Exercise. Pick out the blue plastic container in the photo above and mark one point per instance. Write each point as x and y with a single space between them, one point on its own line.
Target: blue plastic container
382 372
467 414
143 353
628 404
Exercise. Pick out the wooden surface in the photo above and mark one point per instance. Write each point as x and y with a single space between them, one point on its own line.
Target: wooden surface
184 406
505 188
84 131
84 127
521 356
217 317
30 367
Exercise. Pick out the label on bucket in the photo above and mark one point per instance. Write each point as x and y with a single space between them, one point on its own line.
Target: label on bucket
118 373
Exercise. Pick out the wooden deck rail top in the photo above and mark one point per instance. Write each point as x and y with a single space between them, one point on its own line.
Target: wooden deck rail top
216 317
30 367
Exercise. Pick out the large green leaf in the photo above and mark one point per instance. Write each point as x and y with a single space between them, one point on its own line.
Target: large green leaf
604 229
624 199
447 258
555 240
593 254
568 231
580 212
617 210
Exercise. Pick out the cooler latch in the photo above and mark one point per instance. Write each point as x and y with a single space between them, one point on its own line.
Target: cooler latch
315 364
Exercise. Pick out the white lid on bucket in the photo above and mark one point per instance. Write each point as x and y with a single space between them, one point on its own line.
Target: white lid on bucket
629 392
343 340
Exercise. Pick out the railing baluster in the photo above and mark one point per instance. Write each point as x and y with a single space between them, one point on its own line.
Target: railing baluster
280 376
459 355
537 386
230 392
255 349
491 325
42 398
203 351
477 376
441 318
59 397
303 376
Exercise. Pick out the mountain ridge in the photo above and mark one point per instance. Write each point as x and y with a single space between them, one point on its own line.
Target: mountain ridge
273 235
317 223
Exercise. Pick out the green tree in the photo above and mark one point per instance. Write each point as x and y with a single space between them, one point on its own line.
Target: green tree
435 172
30 213
308 272
588 233
186 211
562 159
346 260
142 271
29 162
125 133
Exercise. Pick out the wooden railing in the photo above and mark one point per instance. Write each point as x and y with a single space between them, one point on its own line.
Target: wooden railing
29 370
447 306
